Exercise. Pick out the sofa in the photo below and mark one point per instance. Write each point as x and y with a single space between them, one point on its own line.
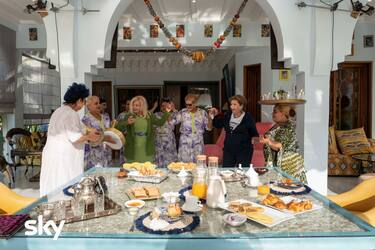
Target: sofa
258 157
340 160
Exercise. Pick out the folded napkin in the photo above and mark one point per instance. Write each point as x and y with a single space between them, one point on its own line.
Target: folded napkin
10 224
158 224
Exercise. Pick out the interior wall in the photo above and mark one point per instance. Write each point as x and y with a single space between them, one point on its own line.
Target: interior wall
362 54
7 69
23 40
270 81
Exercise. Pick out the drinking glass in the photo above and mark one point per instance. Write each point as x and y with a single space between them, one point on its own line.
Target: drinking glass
59 210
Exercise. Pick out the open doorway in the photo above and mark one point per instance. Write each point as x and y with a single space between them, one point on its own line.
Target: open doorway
350 96
252 89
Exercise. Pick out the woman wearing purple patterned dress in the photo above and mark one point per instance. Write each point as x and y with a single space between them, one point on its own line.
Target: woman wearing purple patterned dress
165 141
194 121
96 154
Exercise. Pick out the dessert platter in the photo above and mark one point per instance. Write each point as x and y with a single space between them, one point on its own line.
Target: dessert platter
176 167
144 193
290 204
289 187
145 172
261 214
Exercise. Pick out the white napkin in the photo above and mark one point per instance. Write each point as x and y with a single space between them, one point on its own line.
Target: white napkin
158 224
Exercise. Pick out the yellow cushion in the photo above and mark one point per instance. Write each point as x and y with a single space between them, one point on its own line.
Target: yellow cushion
332 145
353 141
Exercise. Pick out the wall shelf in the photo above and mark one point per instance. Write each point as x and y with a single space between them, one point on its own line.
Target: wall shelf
283 101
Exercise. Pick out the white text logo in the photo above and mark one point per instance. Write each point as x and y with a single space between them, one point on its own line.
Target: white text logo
36 227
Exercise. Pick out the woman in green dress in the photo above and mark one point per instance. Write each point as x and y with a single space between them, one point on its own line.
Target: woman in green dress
280 143
140 144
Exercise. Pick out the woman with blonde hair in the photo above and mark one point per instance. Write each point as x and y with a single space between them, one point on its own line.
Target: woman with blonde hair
140 142
280 143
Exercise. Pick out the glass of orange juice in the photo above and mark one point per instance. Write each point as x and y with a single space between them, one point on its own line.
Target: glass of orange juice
263 189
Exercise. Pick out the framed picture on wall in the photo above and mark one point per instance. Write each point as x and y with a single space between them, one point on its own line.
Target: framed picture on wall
266 30
154 31
208 30
127 33
284 74
180 30
368 41
33 34
237 30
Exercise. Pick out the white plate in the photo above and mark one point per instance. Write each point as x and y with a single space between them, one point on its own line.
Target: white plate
198 209
287 199
276 215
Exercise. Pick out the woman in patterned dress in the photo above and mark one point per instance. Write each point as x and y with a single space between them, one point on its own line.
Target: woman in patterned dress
194 121
165 141
280 143
98 154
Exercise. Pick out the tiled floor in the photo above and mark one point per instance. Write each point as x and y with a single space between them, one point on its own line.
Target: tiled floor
336 185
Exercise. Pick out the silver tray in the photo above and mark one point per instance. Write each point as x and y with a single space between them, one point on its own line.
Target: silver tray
110 208
150 179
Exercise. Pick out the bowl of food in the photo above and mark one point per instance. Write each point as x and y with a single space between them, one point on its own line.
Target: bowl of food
234 219
135 203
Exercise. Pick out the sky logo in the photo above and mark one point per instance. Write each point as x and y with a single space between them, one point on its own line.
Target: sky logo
36 227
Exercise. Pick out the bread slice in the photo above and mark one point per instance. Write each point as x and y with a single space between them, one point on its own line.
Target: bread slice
139 193
152 191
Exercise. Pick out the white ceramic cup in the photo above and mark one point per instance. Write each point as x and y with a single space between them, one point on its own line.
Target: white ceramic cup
192 202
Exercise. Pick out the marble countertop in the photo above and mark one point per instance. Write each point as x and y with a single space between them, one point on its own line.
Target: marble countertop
326 221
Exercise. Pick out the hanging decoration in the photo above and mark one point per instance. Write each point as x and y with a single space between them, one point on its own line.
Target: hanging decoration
197 56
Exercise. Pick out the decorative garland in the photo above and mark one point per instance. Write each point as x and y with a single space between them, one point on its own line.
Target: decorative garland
197 56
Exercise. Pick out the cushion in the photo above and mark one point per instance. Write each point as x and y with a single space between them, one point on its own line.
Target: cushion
353 141
332 145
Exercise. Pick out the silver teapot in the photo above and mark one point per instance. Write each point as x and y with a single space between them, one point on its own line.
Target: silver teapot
88 192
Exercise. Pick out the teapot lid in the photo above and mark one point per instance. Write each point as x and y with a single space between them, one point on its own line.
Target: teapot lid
87 181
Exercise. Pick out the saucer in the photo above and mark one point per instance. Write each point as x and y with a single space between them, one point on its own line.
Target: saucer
191 210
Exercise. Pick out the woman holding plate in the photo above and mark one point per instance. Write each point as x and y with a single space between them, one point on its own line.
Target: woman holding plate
97 154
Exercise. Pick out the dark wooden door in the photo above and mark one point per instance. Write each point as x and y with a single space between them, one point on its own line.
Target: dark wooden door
350 96
251 89
104 90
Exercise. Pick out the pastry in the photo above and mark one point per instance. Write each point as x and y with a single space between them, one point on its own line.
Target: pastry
152 191
139 193
280 205
270 200
121 174
174 210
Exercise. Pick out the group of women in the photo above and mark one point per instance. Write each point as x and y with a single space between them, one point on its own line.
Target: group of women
72 143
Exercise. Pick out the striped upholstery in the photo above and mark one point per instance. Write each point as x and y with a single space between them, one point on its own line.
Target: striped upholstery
332 145
353 141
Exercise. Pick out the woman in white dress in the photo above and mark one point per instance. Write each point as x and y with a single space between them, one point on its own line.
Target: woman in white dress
63 154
